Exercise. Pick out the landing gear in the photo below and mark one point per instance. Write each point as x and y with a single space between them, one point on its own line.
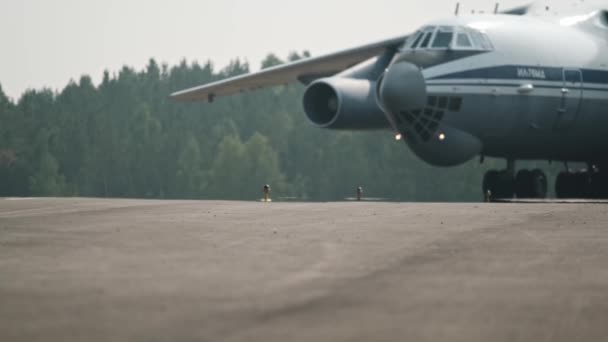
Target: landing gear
599 184
590 183
499 184
504 184
572 185
531 184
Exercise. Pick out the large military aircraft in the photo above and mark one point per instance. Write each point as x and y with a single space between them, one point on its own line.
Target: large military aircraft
529 83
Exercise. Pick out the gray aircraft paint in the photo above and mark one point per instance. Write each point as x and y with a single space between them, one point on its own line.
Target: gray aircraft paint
516 102
544 123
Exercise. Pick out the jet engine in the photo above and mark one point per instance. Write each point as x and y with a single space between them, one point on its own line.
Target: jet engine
344 103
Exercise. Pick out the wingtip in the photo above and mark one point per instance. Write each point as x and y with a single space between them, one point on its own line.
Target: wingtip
179 96
187 96
175 96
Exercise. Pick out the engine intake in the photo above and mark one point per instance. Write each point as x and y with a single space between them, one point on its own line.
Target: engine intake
344 103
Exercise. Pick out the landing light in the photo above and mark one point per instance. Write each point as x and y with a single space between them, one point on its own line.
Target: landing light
398 137
441 136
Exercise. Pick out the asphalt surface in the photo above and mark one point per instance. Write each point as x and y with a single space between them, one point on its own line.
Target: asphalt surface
134 270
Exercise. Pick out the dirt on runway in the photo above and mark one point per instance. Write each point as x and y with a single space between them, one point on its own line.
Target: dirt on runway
137 270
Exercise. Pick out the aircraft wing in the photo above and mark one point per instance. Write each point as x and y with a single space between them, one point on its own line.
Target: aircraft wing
305 70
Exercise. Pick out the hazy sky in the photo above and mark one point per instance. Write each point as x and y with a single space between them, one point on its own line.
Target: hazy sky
45 43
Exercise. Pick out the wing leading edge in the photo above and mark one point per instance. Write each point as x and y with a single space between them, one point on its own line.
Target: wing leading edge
304 70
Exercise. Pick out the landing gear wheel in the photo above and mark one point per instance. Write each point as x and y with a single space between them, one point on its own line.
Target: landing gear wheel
524 184
573 185
506 185
582 185
539 184
599 185
500 183
490 182
531 184
564 185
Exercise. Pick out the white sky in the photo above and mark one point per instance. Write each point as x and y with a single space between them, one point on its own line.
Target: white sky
45 43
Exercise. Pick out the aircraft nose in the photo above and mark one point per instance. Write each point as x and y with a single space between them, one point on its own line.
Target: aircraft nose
402 88
402 95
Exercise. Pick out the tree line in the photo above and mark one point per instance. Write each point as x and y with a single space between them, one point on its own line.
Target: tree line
126 138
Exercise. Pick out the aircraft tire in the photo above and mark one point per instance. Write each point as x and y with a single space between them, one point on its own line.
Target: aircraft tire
573 185
539 186
523 184
564 185
603 185
490 182
581 187
597 188
500 183
599 185
506 188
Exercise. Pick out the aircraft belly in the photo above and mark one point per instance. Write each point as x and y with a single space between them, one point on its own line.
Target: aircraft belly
525 111
537 134
525 127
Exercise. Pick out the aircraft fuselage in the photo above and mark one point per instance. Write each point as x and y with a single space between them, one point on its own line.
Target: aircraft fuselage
539 92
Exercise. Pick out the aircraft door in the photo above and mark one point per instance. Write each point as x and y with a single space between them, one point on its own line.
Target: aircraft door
571 97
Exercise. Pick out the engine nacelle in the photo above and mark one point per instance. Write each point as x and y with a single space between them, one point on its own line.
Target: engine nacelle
344 103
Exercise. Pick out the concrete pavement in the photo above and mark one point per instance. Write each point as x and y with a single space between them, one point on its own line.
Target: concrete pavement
136 270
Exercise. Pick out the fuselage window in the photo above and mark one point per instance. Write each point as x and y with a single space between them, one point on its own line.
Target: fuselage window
443 39
463 40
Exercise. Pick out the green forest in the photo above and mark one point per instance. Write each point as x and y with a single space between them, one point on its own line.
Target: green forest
125 138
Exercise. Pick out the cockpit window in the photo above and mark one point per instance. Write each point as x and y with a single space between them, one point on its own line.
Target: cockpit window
463 40
416 41
481 40
426 40
448 37
443 38
423 40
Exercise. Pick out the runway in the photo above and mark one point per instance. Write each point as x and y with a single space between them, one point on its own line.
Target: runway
137 270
